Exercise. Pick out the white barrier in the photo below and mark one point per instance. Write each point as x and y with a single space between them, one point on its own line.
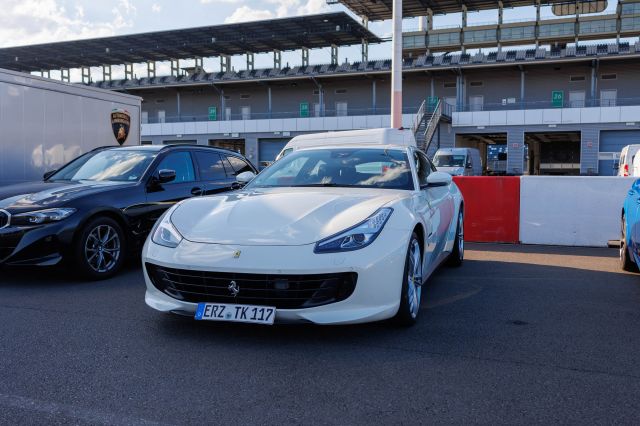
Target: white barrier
571 210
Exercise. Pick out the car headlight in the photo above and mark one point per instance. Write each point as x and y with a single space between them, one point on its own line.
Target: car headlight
165 234
356 237
42 216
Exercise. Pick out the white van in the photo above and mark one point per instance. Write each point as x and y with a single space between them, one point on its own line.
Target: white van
626 163
365 137
458 161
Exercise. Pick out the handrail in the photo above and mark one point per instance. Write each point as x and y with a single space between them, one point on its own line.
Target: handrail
432 125
417 119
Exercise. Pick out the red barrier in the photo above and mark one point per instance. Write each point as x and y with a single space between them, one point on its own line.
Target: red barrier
492 208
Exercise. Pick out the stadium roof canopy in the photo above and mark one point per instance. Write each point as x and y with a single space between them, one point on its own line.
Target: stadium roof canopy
377 10
313 31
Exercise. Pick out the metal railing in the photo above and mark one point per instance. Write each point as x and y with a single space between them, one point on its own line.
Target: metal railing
418 118
587 103
350 112
432 125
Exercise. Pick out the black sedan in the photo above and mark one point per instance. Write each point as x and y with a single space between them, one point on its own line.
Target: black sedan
100 207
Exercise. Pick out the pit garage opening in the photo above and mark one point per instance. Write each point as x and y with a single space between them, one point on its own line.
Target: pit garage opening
235 145
492 147
268 150
553 153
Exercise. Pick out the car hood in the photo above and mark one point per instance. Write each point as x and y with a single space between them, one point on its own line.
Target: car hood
454 171
43 195
277 216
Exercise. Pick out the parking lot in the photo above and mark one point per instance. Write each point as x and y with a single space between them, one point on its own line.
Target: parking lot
518 334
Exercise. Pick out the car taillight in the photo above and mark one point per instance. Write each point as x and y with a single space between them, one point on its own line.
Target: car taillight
626 170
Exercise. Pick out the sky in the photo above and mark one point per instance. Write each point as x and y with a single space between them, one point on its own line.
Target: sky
24 22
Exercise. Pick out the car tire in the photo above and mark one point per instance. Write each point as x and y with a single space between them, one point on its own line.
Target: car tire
100 249
457 254
411 285
626 262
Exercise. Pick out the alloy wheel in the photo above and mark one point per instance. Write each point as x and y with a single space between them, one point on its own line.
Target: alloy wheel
102 248
414 278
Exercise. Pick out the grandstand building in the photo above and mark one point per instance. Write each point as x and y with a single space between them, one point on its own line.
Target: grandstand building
546 96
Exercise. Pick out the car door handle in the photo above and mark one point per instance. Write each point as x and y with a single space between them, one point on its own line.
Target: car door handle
196 191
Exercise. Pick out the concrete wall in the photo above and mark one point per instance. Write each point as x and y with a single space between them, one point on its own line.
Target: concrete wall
571 211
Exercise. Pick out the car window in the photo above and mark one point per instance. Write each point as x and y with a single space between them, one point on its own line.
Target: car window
238 165
109 165
210 165
450 160
181 163
423 167
346 167
286 152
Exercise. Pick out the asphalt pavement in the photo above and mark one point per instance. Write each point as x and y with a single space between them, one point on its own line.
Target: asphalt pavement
517 335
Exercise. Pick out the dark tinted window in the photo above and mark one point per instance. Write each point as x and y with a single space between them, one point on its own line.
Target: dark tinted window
238 164
210 165
181 163
423 167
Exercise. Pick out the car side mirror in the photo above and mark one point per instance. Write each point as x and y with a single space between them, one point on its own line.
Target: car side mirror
439 179
48 174
245 177
469 166
166 176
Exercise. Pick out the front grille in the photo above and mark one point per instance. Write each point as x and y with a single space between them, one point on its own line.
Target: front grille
4 219
280 291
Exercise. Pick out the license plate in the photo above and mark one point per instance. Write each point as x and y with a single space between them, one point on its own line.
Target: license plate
236 313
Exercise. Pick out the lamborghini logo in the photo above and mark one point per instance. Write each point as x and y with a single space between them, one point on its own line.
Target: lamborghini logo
237 254
120 124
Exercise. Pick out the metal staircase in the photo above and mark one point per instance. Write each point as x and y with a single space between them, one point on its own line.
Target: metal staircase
426 123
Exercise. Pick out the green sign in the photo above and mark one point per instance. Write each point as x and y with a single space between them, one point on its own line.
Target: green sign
213 114
304 109
557 99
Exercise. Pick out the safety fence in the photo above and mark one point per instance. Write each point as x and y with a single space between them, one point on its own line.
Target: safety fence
562 210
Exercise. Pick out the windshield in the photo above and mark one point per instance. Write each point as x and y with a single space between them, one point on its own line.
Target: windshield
108 165
344 167
449 160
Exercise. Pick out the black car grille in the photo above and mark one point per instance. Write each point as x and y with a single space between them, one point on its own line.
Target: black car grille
4 219
280 291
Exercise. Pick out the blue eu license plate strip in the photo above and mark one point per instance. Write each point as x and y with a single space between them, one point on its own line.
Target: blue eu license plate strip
253 314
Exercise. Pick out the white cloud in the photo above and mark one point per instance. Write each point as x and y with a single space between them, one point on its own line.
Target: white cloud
313 6
245 13
26 22
219 1
279 9
156 8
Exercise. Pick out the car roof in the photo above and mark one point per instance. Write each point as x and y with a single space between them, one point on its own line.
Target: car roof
394 147
158 148
403 137
452 150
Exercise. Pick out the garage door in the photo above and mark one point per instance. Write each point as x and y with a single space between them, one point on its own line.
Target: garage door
611 143
268 150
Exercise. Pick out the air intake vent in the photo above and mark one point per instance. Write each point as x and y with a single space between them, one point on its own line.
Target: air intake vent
609 76
577 78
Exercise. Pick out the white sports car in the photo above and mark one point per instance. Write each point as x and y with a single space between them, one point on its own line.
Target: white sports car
337 234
